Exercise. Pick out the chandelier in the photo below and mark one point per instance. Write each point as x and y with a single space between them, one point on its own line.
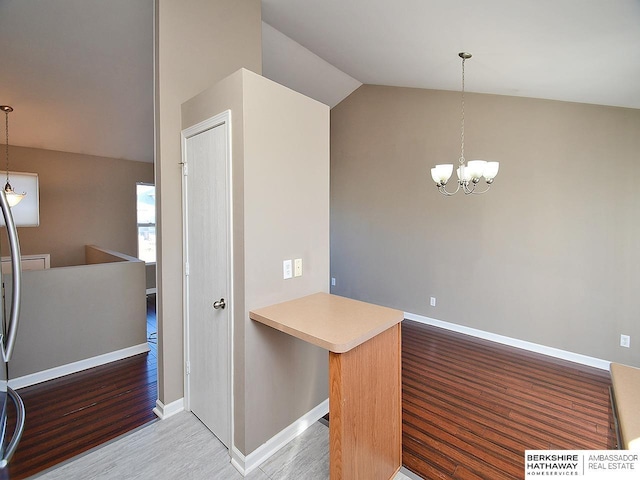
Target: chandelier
13 198
469 175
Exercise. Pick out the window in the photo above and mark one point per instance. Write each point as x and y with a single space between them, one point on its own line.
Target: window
146 204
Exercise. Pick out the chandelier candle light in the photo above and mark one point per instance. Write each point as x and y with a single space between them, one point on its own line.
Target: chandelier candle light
12 197
468 175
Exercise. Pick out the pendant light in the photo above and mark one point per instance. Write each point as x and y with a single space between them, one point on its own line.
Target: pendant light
470 174
12 197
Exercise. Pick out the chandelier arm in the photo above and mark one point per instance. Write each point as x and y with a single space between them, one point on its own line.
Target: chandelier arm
443 190
468 190
474 192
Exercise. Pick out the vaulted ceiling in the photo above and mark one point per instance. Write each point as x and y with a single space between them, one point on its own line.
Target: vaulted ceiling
584 51
79 73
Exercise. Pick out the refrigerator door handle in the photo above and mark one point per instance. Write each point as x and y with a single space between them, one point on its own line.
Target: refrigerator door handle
17 433
16 278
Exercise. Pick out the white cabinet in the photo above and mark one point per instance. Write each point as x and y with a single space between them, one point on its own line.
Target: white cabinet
39 261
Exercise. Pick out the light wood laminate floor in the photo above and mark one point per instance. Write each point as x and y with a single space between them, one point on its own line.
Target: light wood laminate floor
182 447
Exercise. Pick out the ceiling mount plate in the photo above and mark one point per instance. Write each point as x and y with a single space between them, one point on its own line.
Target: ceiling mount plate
464 55
6 108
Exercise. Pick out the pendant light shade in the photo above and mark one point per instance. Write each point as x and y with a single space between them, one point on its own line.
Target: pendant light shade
12 197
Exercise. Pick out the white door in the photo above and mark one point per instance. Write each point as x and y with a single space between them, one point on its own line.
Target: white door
207 266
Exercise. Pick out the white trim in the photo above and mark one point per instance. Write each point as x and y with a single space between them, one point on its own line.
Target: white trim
246 464
203 126
238 460
513 342
78 366
223 118
185 290
150 291
163 411
231 274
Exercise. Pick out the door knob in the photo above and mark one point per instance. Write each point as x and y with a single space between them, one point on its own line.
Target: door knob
219 304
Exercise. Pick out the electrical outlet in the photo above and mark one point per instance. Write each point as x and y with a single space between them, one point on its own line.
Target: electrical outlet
297 267
333 281
433 301
287 270
625 341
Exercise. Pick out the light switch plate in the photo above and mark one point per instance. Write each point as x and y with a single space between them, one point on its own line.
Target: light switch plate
625 341
286 269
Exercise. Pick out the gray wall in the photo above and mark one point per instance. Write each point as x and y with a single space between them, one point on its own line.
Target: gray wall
70 314
150 270
281 211
198 42
550 255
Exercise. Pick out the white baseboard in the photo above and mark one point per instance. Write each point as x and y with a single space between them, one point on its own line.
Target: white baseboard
238 460
246 464
513 342
78 366
163 411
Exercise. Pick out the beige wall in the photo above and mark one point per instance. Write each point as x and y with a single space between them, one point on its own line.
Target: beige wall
550 255
286 208
83 200
198 42
281 211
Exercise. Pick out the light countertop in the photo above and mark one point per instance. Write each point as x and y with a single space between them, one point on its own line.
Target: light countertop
334 323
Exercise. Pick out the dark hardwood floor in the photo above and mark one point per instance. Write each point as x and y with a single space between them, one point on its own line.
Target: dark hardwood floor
472 407
72 414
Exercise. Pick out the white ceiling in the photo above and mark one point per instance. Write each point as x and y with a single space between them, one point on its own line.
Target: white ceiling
584 51
289 63
79 73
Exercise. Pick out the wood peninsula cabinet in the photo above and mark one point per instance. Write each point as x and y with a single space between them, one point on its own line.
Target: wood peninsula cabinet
365 392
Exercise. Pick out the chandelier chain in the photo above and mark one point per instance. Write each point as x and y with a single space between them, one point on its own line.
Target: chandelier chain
6 128
461 160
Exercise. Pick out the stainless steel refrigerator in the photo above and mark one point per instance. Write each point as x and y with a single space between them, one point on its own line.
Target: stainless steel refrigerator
10 312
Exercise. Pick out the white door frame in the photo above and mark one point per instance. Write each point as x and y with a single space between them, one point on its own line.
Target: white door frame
215 121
